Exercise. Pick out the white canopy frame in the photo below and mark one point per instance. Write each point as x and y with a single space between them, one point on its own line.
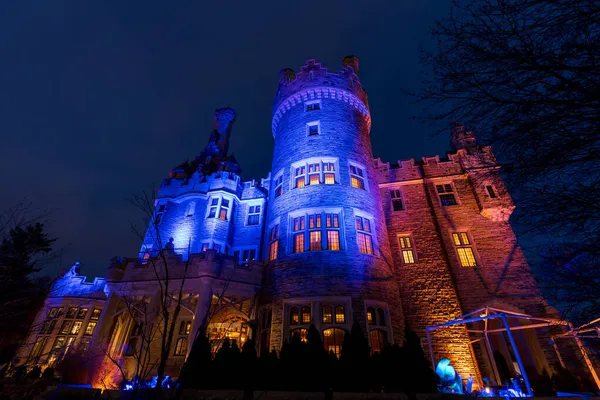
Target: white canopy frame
487 313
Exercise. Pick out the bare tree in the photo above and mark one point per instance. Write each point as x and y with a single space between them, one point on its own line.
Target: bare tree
524 75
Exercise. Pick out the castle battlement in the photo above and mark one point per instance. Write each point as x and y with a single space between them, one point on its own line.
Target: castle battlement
72 284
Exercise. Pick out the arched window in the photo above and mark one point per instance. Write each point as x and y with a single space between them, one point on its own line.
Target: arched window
305 315
340 316
294 316
302 334
378 339
181 346
370 315
327 315
131 346
182 328
333 339
188 327
380 317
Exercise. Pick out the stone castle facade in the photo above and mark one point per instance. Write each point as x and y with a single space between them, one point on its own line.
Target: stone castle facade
331 237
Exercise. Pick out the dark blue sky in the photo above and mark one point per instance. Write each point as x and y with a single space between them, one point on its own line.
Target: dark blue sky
98 100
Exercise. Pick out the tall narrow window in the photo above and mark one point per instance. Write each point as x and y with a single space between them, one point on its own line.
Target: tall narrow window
378 339
82 313
160 210
76 327
327 315
370 315
447 195
299 235
273 239
305 315
214 205
314 222
38 347
329 173
224 209
71 313
380 317
314 174
89 329
491 192
66 327
300 180
253 215
357 177
294 316
249 254
332 340
364 235
181 346
191 208
464 249
96 314
340 316
279 186
407 249
397 202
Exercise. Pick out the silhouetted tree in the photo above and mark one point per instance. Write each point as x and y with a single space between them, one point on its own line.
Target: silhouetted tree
354 359
524 75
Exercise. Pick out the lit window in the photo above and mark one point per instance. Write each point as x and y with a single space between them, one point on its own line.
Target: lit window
273 238
219 208
188 327
82 312
313 106
76 327
224 209
249 254
327 315
370 315
253 215
357 177
310 228
302 334
96 314
299 243
464 249
305 315
71 313
294 316
279 186
181 346
446 193
205 246
332 340
378 339
491 192
38 347
340 316
397 203
315 240
407 249
313 128
364 237
333 240
314 174
300 177
329 173
65 327
89 329
53 312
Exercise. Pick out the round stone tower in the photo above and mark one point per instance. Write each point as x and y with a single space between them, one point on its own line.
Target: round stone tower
329 261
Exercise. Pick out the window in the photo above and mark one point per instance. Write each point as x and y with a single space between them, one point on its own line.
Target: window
294 316
305 315
370 315
313 106
364 235
327 315
205 246
66 327
279 186
82 312
375 316
491 192
313 228
332 340
219 208
299 237
313 128
407 249
160 210
340 316
446 194
380 317
71 313
89 330
314 173
464 249
397 203
76 327
273 239
54 312
181 346
378 339
96 314
131 347
191 208
357 177
253 215
185 327
315 240
249 254
302 334
38 347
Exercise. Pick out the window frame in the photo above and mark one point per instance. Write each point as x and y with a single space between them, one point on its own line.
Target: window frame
278 184
273 240
470 245
219 207
360 176
371 233
395 195
190 209
402 236
324 164
486 188
453 192
181 350
255 213
312 103
311 124
310 221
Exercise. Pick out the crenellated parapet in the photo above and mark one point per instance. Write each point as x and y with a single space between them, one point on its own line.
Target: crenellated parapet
72 284
315 82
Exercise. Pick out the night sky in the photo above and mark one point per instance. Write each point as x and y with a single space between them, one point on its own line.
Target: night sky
99 100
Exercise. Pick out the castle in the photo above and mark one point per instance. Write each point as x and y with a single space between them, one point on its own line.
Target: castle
331 237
